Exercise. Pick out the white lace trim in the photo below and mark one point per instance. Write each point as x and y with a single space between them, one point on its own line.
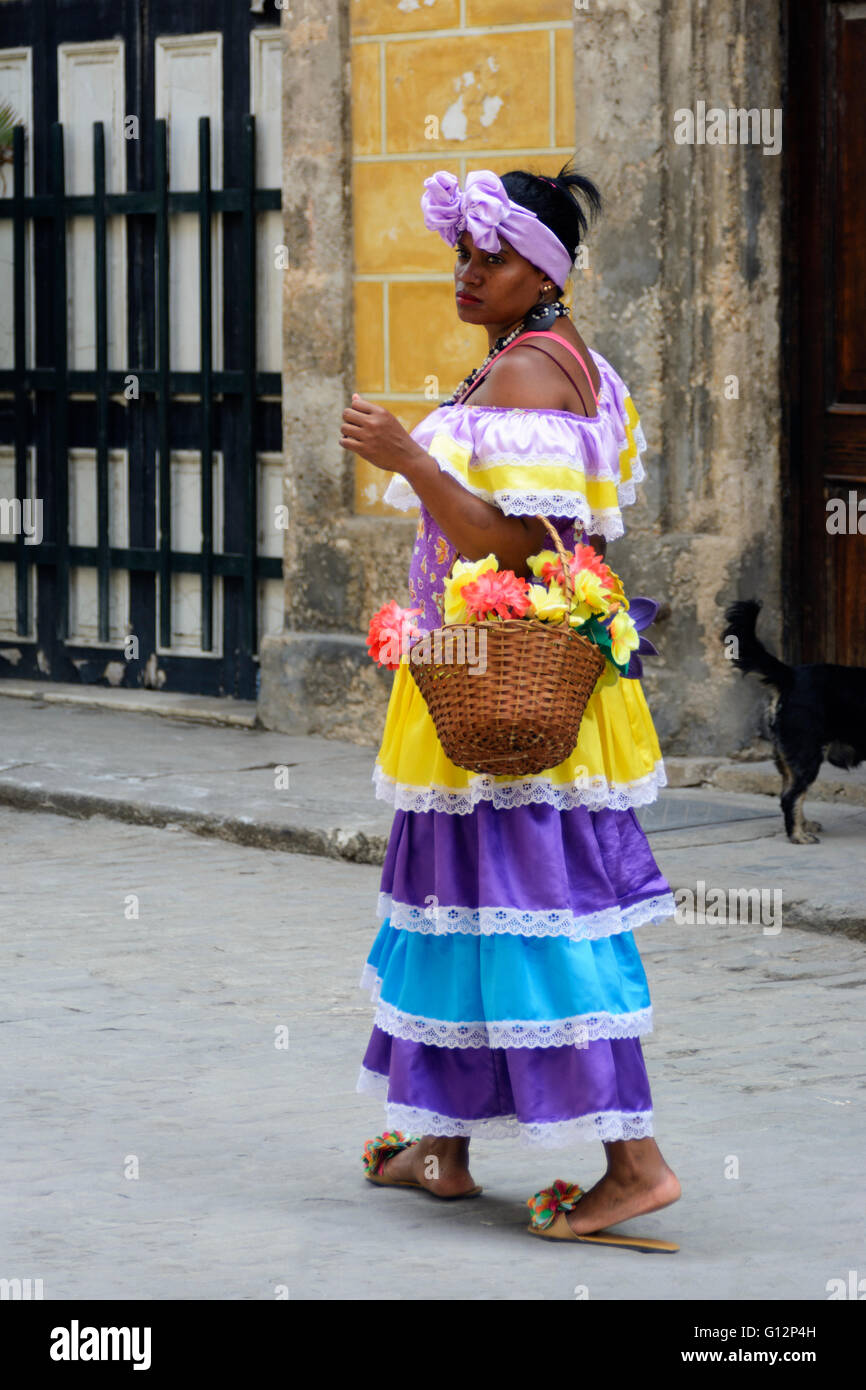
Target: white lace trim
578 1031
605 1125
595 792
442 920
606 522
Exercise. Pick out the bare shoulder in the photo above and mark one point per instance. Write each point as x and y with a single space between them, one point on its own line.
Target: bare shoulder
522 377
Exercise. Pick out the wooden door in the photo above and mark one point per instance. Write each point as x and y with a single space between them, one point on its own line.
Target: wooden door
825 337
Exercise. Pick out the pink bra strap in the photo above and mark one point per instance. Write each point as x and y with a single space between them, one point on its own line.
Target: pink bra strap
536 333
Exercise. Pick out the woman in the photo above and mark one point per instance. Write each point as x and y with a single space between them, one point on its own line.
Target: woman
510 993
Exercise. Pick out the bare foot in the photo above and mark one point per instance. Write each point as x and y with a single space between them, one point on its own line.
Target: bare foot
440 1165
614 1199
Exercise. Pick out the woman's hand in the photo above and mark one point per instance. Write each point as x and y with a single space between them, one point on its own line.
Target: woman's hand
373 432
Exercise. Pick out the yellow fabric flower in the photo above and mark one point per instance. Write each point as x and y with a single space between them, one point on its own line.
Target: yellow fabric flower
464 572
624 637
537 562
590 598
617 593
550 604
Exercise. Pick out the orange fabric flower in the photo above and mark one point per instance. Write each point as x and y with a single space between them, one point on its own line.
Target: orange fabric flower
388 630
497 591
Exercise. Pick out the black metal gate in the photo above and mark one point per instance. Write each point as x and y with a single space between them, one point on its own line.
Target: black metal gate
147 410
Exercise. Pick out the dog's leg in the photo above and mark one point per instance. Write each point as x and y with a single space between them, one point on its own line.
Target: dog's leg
783 769
811 827
799 831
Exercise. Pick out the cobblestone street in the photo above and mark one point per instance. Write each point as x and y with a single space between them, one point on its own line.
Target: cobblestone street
159 1144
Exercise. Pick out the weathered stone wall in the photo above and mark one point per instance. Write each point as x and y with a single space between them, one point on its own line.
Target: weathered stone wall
681 292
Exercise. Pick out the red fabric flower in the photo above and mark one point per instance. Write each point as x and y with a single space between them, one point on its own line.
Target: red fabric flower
385 635
497 591
584 558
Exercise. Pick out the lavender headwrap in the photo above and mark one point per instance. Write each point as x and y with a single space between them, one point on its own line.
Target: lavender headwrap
483 208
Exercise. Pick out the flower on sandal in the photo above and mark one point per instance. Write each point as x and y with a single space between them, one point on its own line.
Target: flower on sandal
374 1148
550 1201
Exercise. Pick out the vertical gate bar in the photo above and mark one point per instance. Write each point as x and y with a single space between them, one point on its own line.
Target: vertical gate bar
160 164
206 362
61 402
22 405
248 367
101 297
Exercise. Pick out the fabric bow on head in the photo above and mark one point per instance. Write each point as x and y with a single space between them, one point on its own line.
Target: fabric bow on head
478 208
484 209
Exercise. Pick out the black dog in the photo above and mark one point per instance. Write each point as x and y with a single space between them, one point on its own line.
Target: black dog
818 711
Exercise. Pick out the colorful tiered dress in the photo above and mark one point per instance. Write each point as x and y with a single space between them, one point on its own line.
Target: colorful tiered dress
510 997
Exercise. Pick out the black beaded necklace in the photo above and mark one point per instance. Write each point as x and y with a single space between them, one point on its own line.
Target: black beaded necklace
539 318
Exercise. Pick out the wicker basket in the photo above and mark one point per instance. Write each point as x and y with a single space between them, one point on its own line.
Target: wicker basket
522 712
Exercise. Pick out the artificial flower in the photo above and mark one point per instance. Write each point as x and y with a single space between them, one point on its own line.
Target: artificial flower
389 629
547 565
623 636
501 593
544 563
550 603
550 1201
590 597
642 612
464 572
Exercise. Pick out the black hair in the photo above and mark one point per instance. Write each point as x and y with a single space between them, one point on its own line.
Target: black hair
566 203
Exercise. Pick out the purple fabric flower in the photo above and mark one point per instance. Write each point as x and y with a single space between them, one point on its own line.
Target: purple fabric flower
642 612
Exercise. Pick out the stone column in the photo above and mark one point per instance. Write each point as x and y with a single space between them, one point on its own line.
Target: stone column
682 293
317 676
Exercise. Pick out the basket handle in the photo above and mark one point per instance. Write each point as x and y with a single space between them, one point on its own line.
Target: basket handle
569 582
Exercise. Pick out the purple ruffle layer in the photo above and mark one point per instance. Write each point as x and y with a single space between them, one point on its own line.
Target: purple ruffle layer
534 858
550 1094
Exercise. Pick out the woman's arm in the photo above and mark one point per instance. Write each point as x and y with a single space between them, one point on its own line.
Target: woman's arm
474 527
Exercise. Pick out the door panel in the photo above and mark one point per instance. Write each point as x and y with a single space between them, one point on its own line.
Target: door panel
826 323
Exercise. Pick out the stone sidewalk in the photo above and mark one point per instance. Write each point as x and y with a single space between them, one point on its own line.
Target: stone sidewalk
222 781
156 1143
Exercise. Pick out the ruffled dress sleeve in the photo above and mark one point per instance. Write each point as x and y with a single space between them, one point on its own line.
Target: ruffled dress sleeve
527 461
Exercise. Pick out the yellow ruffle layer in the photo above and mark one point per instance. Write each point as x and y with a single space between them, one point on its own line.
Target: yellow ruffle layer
617 741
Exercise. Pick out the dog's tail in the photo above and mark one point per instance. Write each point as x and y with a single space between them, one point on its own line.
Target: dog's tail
748 653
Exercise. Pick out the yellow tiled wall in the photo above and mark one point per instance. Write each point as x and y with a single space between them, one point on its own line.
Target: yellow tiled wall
438 84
